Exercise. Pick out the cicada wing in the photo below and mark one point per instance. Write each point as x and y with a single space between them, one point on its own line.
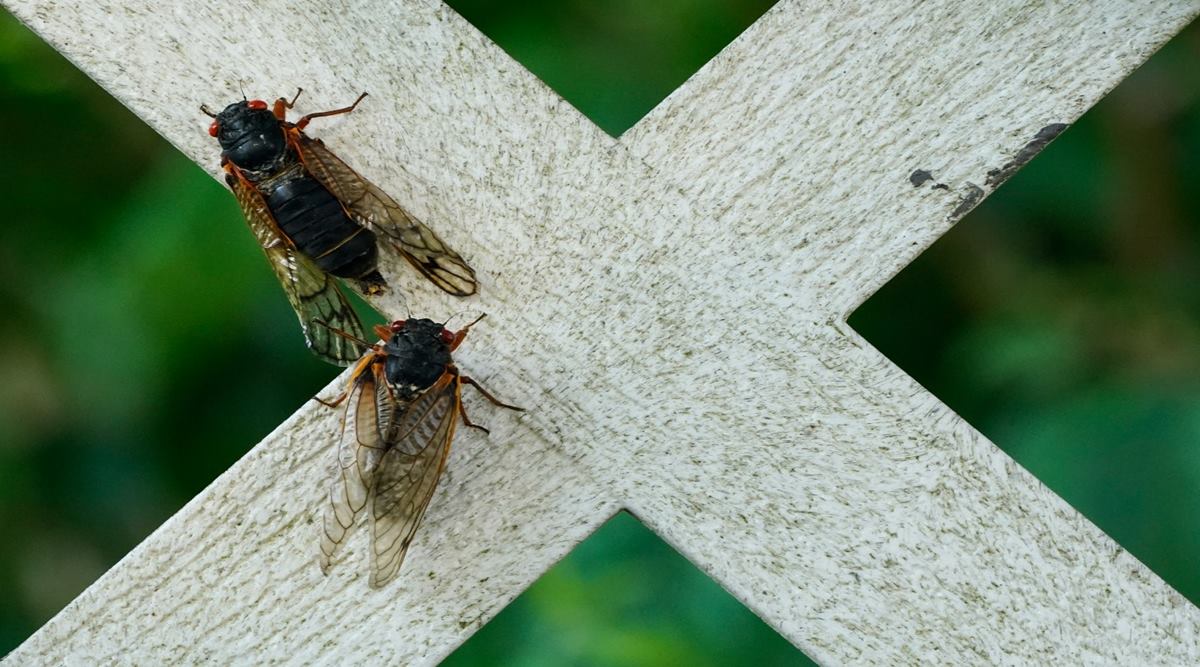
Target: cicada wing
360 448
374 209
313 293
409 473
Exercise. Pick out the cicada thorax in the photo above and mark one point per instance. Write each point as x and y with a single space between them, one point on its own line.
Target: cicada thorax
251 138
418 354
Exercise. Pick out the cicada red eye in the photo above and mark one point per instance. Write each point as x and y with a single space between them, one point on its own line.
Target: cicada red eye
447 336
398 326
257 105
213 129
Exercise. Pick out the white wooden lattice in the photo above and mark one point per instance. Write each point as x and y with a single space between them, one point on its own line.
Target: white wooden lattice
671 305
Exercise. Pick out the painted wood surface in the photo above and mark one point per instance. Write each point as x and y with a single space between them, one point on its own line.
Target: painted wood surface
671 308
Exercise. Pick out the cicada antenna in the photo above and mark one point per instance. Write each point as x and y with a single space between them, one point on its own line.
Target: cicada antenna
451 318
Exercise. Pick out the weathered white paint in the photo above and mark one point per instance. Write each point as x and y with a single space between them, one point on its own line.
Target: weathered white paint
671 307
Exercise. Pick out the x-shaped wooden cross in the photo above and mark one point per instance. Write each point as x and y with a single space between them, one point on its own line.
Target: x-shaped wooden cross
671 308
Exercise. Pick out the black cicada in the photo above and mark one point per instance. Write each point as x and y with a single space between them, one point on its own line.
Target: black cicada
316 218
404 401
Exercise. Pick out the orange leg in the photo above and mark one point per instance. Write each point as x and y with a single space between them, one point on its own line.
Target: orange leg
487 394
300 124
461 334
282 104
332 403
462 412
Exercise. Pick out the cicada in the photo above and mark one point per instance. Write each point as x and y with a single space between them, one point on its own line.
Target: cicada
402 406
315 218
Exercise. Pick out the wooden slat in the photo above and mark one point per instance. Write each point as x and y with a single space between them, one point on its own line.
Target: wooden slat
671 307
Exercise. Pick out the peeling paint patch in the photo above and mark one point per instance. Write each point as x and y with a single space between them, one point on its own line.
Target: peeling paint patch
1044 136
920 177
967 202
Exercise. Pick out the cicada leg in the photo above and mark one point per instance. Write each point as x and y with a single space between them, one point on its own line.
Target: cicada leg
462 412
333 403
487 394
461 334
282 105
300 124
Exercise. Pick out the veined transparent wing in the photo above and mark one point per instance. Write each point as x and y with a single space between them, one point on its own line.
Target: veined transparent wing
313 293
373 208
409 473
366 426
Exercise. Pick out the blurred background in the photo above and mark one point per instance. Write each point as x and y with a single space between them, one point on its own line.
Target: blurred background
1061 318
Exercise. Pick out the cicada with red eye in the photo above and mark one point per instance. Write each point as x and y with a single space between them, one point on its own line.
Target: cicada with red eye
316 218
402 407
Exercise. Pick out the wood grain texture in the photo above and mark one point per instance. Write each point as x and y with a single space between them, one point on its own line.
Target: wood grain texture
671 307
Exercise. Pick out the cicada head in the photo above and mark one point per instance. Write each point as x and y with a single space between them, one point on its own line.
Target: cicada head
418 352
250 135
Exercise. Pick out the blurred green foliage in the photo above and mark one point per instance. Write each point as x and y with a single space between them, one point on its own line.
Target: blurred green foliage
614 60
1061 318
624 597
